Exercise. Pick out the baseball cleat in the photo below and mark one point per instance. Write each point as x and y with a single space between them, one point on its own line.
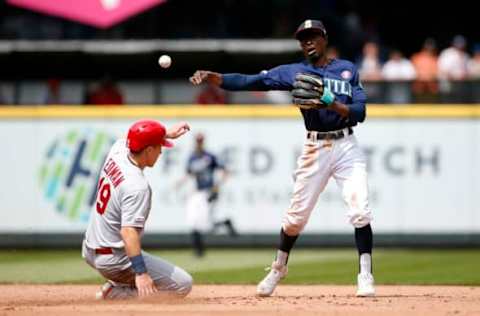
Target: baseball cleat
365 285
268 284
104 292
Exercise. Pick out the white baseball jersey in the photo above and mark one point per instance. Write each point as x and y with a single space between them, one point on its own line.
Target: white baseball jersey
123 199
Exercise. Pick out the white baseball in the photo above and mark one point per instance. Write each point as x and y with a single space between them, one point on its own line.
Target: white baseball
164 61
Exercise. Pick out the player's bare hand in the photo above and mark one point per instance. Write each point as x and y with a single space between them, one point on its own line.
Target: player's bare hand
145 285
198 77
201 76
178 130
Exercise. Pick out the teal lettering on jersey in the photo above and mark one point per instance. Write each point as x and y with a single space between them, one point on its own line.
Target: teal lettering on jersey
338 86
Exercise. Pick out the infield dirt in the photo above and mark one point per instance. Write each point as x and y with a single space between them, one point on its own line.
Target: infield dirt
70 300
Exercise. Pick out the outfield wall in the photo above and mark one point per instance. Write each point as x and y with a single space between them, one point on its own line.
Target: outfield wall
422 163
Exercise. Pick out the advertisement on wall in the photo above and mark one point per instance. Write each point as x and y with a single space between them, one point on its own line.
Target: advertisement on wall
423 174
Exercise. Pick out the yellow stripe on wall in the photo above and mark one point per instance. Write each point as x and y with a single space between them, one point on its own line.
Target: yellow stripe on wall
424 111
227 111
166 111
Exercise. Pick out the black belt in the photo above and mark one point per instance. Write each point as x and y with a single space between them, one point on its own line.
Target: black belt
315 136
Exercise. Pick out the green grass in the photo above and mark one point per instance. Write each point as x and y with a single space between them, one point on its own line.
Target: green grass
314 266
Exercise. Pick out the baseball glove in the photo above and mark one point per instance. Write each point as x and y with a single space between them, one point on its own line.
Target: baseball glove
310 93
213 195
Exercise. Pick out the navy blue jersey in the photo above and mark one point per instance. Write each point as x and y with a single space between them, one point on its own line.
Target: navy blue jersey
202 166
341 76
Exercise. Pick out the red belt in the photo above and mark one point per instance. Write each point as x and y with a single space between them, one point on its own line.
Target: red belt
103 251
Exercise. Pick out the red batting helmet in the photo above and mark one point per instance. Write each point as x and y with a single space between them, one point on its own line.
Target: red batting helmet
145 133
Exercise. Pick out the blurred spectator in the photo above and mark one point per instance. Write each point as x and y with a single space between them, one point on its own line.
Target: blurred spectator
474 73
53 92
398 68
106 93
370 69
453 61
211 94
400 71
453 67
426 67
474 63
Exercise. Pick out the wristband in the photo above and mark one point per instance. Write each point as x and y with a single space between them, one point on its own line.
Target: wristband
138 265
328 97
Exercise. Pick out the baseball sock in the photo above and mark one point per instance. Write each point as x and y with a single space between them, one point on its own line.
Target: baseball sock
286 244
198 244
364 242
365 263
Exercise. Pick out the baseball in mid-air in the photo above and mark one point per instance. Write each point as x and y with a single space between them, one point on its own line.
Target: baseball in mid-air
164 61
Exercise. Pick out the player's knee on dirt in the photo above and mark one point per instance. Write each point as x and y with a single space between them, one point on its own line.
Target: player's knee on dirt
185 287
184 282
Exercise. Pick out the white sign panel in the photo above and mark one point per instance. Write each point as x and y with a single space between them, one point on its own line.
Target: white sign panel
424 174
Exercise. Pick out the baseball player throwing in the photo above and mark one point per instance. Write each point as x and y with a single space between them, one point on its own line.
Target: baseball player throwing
332 101
112 243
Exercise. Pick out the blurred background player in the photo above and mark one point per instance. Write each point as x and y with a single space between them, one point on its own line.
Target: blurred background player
112 243
203 166
330 147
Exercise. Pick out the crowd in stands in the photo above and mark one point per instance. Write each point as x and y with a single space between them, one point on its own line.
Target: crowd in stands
451 63
363 32
426 73
105 93
431 75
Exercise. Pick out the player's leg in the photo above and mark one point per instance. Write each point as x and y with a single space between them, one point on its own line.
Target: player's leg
121 279
120 284
311 177
351 176
123 287
230 228
198 243
364 242
226 222
198 220
168 278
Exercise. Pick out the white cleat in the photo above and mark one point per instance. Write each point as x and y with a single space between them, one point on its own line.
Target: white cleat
104 292
365 285
268 284
112 291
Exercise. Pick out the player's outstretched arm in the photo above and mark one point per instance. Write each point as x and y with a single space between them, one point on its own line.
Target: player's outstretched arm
201 76
237 81
178 130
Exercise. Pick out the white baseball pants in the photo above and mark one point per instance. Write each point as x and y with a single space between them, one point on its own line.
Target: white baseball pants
320 160
115 267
